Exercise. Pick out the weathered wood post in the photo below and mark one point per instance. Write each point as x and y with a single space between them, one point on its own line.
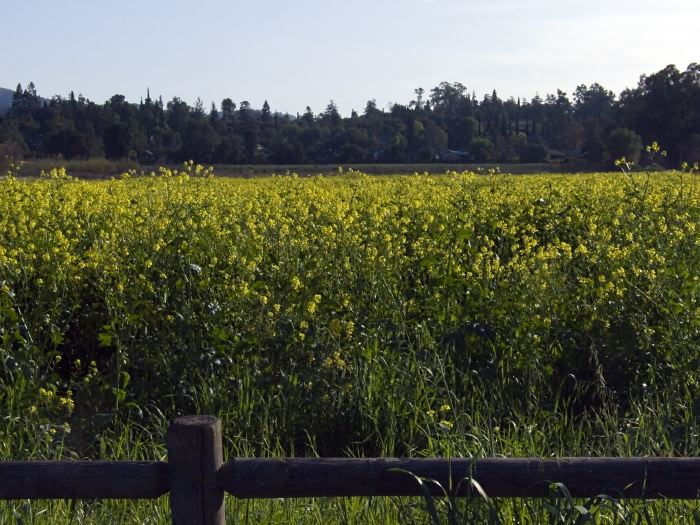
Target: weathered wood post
194 458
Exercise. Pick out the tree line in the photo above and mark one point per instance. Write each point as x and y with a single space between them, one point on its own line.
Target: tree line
446 124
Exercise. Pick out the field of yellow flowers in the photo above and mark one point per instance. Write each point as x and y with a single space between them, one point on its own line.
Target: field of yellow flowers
547 315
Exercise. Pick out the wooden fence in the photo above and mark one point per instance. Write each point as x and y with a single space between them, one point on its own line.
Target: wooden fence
196 478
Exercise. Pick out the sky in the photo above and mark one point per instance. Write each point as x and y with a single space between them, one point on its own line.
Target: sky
298 53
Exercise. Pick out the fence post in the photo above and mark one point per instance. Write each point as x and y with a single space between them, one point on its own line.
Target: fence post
194 458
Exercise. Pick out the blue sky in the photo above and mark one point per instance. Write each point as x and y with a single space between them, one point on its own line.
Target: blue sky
306 52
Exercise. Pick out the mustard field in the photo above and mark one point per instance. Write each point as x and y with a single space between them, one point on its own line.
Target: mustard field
461 314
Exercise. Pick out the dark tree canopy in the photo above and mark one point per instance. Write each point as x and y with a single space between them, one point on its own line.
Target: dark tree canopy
445 123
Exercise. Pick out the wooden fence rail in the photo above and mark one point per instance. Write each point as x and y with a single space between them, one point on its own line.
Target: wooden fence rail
675 478
83 479
196 477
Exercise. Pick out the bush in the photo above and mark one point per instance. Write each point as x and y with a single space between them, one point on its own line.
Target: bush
623 143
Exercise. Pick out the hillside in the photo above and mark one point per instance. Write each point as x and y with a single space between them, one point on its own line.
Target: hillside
5 100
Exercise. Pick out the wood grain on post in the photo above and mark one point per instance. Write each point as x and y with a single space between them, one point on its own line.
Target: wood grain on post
194 458
83 479
677 478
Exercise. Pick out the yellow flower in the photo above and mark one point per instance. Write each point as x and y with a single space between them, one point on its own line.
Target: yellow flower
67 402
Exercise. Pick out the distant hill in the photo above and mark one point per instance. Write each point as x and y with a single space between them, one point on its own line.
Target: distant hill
5 100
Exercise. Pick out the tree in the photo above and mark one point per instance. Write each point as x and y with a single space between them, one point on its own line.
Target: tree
17 96
228 107
123 110
178 113
534 153
516 145
593 102
12 144
308 118
229 150
244 109
198 110
248 128
66 142
200 141
417 104
461 131
116 141
446 97
286 146
213 113
664 108
371 108
332 115
623 142
265 113
481 149
430 141
594 145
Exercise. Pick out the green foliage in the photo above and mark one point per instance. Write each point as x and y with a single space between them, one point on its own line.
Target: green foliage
116 141
664 107
624 143
535 153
